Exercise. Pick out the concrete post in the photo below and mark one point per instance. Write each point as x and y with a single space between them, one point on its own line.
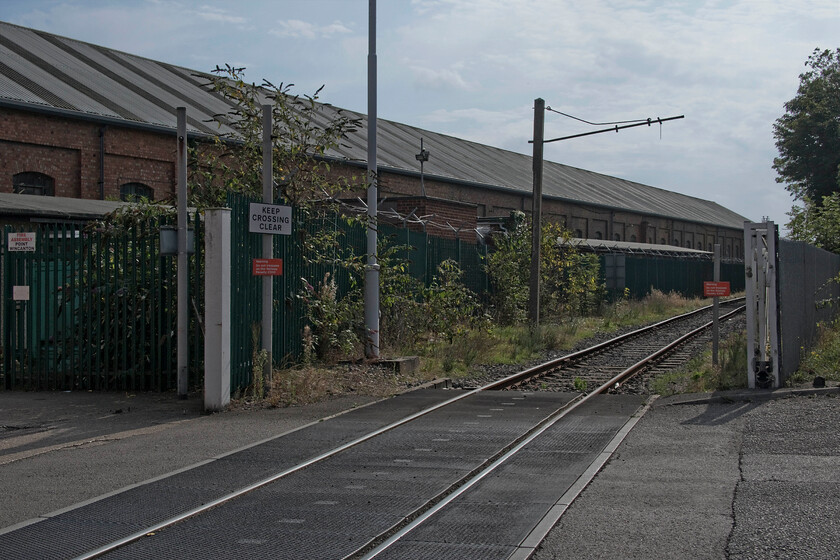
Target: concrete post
217 309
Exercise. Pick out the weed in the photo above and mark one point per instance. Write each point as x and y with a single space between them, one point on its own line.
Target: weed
580 384
699 375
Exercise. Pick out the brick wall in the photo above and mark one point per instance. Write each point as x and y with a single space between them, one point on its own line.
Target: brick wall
69 151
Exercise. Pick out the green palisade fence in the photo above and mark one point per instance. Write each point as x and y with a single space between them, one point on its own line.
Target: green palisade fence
683 276
101 312
289 318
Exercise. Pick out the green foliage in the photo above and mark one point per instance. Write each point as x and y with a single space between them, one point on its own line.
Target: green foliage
701 376
569 279
449 306
508 268
824 358
334 319
303 131
402 318
808 134
817 224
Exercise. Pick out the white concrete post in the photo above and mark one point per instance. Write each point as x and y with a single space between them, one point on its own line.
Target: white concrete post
217 308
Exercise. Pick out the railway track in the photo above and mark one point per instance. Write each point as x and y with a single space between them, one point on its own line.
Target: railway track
405 484
663 346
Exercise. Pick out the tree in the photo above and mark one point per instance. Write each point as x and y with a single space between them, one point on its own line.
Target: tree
303 132
817 225
808 134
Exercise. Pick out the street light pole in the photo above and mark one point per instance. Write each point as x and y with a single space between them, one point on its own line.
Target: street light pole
372 267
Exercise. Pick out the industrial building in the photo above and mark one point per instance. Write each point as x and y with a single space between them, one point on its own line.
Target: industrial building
83 121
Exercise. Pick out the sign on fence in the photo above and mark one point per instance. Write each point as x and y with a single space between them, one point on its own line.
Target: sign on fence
270 218
267 267
715 289
22 241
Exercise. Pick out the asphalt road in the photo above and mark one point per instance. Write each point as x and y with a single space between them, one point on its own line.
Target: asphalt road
736 476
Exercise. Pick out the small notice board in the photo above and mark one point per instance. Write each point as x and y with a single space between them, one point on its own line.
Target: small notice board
267 267
22 241
715 289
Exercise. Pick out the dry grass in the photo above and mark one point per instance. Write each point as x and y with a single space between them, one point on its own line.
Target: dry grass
297 386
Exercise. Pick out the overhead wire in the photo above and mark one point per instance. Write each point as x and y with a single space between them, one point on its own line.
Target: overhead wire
595 123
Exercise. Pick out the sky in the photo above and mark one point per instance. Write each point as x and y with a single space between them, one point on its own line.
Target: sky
472 69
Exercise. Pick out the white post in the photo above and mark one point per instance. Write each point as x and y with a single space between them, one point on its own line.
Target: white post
217 309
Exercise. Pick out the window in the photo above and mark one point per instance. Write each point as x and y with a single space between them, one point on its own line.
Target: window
599 235
616 237
632 239
135 191
578 233
32 182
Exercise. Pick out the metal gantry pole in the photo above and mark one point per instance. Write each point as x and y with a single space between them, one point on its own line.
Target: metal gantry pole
183 279
536 213
267 245
372 267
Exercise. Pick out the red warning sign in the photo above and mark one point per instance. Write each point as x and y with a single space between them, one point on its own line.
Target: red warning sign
267 267
715 289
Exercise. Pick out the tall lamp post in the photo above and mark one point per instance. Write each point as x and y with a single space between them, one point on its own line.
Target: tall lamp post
422 157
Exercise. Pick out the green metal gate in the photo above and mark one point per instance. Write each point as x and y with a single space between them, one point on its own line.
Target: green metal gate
94 310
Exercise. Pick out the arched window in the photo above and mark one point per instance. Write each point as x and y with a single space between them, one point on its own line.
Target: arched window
662 241
632 238
578 233
688 244
136 191
700 245
32 182
617 237
599 235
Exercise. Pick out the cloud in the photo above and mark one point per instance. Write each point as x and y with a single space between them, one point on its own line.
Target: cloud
210 13
301 29
439 78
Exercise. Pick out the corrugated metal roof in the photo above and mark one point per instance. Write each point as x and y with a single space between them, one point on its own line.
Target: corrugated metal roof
41 69
35 206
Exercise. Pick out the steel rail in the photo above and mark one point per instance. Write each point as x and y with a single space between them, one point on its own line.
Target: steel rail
505 382
528 438
543 368
641 364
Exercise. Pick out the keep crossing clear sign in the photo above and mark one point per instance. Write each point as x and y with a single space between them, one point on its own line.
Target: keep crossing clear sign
270 218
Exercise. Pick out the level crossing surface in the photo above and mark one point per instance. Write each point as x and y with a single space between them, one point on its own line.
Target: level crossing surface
333 507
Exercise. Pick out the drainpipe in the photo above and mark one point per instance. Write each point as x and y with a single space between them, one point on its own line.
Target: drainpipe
102 162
